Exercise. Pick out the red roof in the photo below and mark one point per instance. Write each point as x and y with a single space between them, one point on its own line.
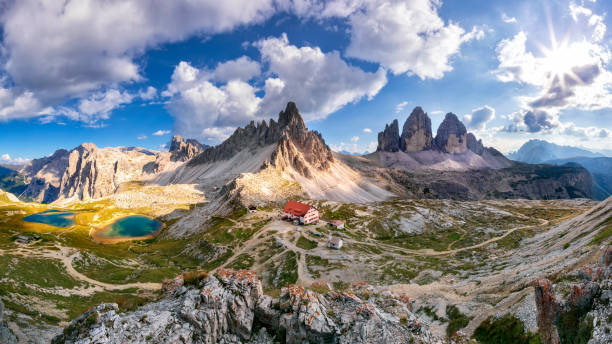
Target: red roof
297 208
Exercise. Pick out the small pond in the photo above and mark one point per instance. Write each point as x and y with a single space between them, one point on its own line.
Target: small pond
57 218
130 227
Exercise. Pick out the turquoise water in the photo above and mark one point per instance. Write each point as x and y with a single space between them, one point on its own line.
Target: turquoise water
57 218
131 226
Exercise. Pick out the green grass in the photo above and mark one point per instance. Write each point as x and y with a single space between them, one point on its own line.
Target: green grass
605 232
456 320
506 330
242 262
306 244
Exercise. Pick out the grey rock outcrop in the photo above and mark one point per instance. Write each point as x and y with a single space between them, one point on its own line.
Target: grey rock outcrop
297 147
227 308
6 335
183 150
388 139
452 135
416 133
474 144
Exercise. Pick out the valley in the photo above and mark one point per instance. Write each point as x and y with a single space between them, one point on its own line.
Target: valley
437 252
452 233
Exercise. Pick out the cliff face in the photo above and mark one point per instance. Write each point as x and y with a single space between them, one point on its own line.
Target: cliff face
416 133
388 139
297 147
452 135
571 320
183 150
85 172
231 307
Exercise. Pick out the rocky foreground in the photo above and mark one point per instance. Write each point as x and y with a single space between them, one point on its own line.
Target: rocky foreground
586 314
230 307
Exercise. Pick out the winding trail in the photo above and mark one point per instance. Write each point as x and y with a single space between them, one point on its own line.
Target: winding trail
63 254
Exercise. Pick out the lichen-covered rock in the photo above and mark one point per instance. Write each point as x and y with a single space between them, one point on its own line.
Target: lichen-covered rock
416 133
230 303
588 301
388 139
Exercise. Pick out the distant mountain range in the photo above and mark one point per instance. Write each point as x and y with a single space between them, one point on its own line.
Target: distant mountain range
539 151
272 161
600 166
601 170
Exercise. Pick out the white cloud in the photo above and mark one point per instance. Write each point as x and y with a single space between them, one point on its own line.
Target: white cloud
242 68
142 137
586 133
7 159
372 146
367 130
479 117
406 37
401 106
354 138
161 132
15 104
99 105
68 48
320 83
507 19
571 74
149 94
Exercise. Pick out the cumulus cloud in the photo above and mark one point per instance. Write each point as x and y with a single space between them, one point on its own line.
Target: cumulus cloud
354 138
17 105
479 117
205 105
161 132
320 83
406 37
532 121
568 75
586 133
99 105
367 130
149 94
7 159
66 48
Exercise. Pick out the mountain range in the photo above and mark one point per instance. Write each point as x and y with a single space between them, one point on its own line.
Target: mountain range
599 166
539 151
271 161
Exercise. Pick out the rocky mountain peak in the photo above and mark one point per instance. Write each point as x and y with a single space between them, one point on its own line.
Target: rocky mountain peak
297 146
388 139
183 150
416 133
291 117
452 135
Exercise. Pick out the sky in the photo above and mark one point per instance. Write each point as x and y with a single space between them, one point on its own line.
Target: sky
134 73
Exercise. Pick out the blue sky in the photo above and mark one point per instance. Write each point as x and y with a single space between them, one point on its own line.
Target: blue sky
119 73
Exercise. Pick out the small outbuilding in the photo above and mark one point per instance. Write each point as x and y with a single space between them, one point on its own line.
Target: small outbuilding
252 209
339 224
334 242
